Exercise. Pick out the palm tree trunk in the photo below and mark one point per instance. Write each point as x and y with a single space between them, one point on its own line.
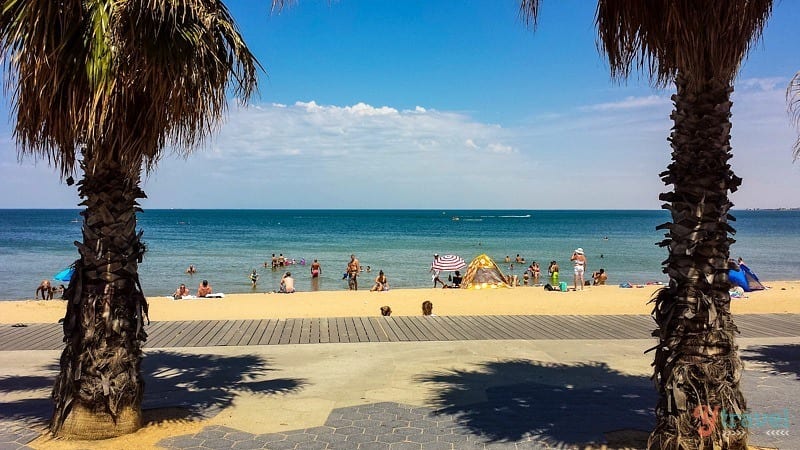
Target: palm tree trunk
98 392
697 366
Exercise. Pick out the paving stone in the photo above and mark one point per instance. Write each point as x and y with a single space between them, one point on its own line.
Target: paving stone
271 437
373 446
349 431
331 438
239 436
532 445
280 445
397 423
453 438
361 438
354 415
338 423
422 438
422 423
313 445
405 446
218 443
408 431
319 430
390 438
248 445
383 416
366 423
210 434
437 446
300 437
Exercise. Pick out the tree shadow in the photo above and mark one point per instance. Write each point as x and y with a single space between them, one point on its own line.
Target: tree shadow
556 403
783 358
178 386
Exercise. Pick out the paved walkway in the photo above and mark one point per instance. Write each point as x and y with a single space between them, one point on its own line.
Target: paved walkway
494 382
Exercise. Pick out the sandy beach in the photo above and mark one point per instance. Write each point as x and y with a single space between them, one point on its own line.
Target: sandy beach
782 297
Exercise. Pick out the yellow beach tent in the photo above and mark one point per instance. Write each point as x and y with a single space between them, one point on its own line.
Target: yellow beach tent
483 273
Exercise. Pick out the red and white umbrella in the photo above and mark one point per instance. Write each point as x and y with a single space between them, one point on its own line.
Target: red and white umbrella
448 263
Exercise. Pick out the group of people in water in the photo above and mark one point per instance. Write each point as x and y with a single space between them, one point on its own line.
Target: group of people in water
353 270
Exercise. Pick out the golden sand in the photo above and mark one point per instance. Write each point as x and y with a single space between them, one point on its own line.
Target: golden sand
782 297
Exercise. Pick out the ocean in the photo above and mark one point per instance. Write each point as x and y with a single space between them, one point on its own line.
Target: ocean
226 245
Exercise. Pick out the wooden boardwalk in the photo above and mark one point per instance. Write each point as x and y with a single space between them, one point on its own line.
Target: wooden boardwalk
212 333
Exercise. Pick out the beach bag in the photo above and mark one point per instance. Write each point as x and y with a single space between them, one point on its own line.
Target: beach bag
563 286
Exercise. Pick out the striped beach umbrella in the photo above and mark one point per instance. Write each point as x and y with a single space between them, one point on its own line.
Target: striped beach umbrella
448 262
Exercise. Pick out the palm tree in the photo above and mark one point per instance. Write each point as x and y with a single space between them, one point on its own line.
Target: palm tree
111 83
698 46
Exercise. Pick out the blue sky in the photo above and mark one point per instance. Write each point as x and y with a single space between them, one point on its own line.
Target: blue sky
448 104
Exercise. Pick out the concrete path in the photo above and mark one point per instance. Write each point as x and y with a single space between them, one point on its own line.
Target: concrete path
406 395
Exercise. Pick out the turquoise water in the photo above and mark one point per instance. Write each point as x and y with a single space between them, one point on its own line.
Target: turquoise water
226 245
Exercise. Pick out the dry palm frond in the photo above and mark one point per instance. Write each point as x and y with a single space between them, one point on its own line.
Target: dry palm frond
793 99
121 79
663 36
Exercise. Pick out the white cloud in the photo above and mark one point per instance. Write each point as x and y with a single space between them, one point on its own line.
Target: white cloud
629 103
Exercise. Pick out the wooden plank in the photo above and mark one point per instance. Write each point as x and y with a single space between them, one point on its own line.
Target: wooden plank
480 328
286 335
410 331
233 333
397 329
267 332
531 325
245 333
366 323
597 327
276 334
297 331
188 333
456 327
517 328
333 330
358 326
443 327
324 335
382 329
351 329
43 336
342 328
204 339
546 325
169 333
219 333
430 329
255 333
313 332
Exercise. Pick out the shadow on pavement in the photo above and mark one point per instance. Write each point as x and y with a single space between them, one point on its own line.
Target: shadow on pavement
783 358
178 386
558 403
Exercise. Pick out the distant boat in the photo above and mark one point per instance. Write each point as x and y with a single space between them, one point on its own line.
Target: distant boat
454 218
74 221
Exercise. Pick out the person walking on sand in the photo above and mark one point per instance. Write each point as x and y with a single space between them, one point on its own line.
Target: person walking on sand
579 265
353 268
436 272
47 290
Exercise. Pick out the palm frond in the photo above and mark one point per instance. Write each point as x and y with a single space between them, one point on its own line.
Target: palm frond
120 79
793 99
529 11
703 39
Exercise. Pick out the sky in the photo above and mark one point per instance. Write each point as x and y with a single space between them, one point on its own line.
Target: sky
385 104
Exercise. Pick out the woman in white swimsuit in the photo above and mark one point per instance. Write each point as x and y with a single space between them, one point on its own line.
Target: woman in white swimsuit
579 261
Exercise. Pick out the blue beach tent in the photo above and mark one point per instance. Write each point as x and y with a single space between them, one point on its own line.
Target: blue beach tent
744 278
65 275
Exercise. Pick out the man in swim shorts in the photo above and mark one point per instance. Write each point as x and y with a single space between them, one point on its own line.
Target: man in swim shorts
353 268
